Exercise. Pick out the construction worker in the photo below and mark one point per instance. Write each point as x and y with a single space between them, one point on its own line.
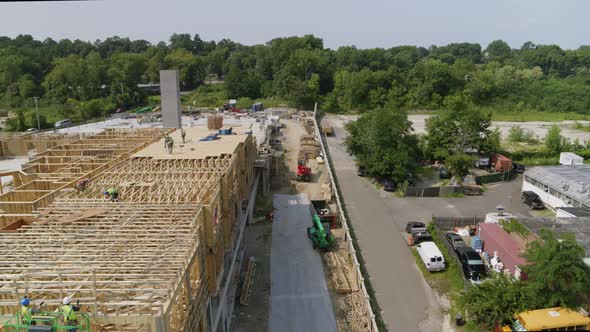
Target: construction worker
183 134
82 184
169 144
26 311
68 312
113 193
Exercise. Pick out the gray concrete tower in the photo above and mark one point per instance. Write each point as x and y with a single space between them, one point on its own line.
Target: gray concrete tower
170 93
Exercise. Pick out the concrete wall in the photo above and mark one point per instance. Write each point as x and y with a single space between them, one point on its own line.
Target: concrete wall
549 200
170 93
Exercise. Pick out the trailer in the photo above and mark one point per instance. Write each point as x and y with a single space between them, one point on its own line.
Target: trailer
569 158
501 163
322 209
328 130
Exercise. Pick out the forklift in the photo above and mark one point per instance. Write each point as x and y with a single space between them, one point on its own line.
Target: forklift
320 235
303 171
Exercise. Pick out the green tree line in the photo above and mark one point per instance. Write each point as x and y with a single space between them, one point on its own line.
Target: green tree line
300 70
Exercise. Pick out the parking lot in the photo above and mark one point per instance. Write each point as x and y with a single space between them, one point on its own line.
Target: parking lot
379 219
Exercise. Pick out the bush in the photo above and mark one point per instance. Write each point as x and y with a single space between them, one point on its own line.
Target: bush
519 135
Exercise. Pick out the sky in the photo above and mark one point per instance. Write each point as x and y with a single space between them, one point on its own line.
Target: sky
363 23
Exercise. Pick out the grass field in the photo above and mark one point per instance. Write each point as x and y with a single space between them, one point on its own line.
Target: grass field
215 95
537 116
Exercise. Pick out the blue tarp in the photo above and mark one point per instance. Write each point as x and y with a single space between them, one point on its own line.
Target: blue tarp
211 137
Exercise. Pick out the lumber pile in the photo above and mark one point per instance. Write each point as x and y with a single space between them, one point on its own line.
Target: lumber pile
340 273
247 287
214 121
355 312
326 189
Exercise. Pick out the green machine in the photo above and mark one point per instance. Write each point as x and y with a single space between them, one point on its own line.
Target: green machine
46 322
320 234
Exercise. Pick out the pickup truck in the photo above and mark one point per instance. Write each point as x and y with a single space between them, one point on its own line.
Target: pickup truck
415 227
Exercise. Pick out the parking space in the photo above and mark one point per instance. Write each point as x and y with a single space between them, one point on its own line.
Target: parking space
506 194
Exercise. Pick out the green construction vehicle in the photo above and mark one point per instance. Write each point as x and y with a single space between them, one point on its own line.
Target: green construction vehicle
46 322
320 234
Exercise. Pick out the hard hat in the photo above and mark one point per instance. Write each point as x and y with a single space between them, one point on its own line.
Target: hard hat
105 192
25 302
67 300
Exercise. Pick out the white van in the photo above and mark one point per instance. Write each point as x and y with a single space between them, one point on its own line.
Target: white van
63 123
431 256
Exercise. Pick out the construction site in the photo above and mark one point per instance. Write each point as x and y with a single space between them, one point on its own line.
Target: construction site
172 250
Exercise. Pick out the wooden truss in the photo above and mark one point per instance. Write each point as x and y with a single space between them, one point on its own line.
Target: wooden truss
150 260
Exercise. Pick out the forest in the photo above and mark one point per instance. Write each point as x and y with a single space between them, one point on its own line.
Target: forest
85 80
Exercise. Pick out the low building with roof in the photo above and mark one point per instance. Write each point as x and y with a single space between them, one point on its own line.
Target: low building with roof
559 186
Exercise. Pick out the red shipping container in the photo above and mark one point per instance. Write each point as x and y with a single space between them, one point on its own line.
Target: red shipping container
501 163
496 239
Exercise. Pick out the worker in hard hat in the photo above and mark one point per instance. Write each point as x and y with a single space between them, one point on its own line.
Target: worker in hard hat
169 144
113 193
68 312
82 184
183 134
27 311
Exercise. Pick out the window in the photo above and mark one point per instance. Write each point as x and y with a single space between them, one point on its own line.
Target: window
439 259
432 259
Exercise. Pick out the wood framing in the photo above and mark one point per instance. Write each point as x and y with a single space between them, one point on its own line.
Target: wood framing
148 262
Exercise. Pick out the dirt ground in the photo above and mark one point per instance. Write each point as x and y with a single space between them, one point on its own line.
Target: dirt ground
254 316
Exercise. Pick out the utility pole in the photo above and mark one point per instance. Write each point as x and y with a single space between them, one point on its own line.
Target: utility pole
37 110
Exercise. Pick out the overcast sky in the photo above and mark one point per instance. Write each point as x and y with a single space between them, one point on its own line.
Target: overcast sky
364 23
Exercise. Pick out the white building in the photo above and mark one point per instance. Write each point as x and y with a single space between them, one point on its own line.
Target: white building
559 186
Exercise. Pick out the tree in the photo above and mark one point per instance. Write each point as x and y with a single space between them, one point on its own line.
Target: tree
383 143
557 269
459 164
497 300
498 50
554 140
459 128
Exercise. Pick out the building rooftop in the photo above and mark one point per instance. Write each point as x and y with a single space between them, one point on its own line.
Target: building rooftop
580 227
194 148
573 181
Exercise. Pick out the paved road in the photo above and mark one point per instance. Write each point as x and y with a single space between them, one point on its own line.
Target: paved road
379 218
299 298
405 298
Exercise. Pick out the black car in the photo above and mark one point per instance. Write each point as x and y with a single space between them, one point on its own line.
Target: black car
412 226
419 237
532 199
360 171
455 240
518 167
474 269
388 185
443 173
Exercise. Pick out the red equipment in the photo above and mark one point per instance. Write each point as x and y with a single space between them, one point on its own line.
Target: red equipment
303 172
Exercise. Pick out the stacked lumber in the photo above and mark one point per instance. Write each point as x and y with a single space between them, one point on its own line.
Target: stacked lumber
214 121
247 287
326 189
355 311
338 272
